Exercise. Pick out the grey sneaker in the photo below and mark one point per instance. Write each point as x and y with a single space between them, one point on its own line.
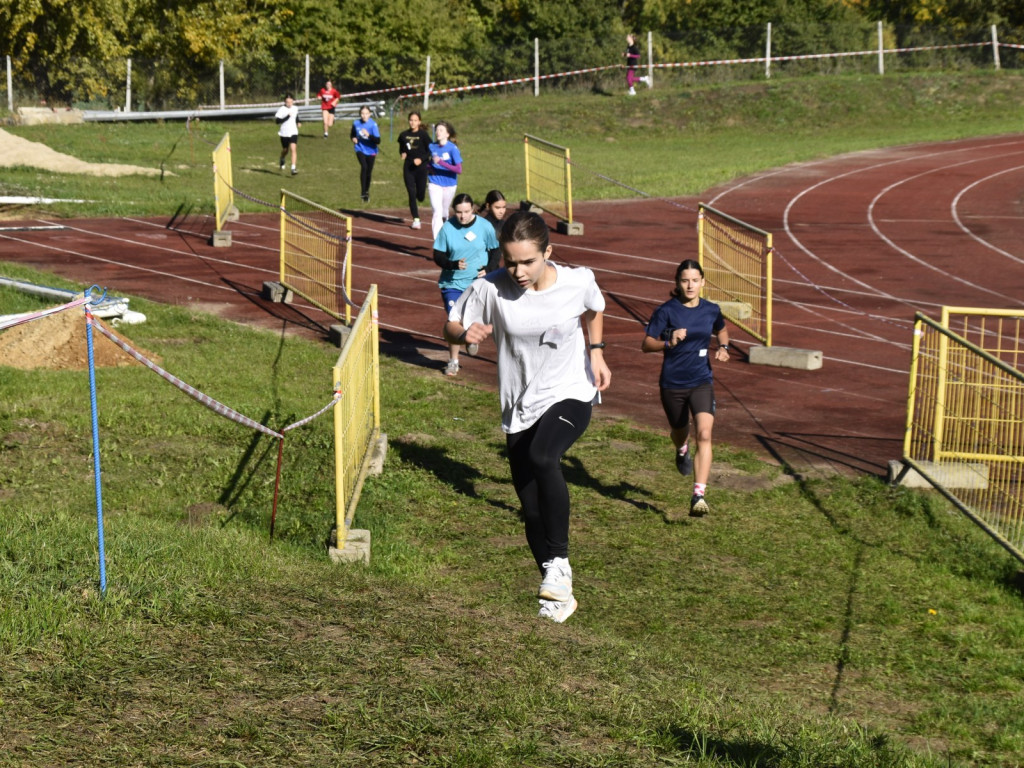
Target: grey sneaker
698 507
557 583
684 463
452 369
557 611
472 349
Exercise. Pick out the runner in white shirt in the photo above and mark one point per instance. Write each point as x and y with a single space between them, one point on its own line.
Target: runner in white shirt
548 380
287 118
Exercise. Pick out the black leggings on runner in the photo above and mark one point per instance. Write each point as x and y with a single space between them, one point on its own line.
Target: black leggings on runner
365 171
416 185
535 457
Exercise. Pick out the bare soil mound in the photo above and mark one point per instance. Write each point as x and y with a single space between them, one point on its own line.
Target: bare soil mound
16 151
59 342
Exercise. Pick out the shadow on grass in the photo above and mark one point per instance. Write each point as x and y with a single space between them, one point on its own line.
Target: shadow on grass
744 753
260 448
461 476
576 474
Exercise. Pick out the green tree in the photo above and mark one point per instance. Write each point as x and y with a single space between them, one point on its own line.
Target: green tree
67 50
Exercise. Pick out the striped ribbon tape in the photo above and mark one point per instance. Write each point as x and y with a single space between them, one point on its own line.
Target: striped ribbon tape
801 57
209 402
29 316
318 414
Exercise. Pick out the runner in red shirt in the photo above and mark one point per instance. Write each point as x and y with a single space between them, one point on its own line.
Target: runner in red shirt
329 97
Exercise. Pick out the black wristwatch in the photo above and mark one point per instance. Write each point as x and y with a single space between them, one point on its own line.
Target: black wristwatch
599 345
723 346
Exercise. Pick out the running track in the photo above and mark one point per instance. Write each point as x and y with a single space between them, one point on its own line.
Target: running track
863 241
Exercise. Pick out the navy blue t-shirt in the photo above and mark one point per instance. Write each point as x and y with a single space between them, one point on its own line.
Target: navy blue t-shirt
688 364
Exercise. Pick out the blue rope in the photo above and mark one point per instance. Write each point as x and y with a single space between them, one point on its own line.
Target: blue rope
96 440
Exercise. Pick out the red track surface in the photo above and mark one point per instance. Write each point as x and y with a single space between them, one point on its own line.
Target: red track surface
863 241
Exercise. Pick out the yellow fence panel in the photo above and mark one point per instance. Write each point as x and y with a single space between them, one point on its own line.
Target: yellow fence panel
737 262
549 181
223 188
356 376
965 417
316 254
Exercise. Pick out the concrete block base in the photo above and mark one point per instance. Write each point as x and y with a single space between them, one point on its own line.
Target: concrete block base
948 474
570 227
356 549
221 239
277 293
786 357
232 214
338 333
736 309
47 116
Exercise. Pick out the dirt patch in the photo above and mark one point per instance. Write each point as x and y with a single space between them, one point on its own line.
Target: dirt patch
16 151
59 342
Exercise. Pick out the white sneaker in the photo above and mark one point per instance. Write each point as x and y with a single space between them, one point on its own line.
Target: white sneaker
472 349
557 611
415 224
645 79
452 369
557 583
632 91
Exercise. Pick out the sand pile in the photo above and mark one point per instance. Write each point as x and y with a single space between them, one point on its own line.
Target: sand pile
59 342
16 151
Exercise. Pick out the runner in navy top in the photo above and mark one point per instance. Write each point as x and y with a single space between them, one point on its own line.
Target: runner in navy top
681 329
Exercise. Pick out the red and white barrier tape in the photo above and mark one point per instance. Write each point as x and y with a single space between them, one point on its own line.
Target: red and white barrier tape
209 402
29 316
206 400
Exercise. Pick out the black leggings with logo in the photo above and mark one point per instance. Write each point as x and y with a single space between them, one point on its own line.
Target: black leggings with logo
535 457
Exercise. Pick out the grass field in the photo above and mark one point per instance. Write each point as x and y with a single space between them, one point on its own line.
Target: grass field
828 622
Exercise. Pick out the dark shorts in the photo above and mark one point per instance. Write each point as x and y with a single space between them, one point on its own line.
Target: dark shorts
330 109
448 297
680 403
287 141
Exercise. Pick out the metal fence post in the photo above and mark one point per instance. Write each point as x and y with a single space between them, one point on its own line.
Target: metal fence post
650 59
10 87
536 66
426 88
881 51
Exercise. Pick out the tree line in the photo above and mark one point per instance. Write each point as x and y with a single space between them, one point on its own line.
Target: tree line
69 51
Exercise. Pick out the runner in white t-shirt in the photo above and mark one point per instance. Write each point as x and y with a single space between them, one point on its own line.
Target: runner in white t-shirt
548 379
287 119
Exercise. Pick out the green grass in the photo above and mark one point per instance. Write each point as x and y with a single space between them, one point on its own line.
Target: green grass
826 622
671 141
819 623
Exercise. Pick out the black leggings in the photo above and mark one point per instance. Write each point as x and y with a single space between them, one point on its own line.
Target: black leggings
365 171
416 185
535 457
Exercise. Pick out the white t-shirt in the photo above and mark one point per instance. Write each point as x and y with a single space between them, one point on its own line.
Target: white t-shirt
542 355
290 126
